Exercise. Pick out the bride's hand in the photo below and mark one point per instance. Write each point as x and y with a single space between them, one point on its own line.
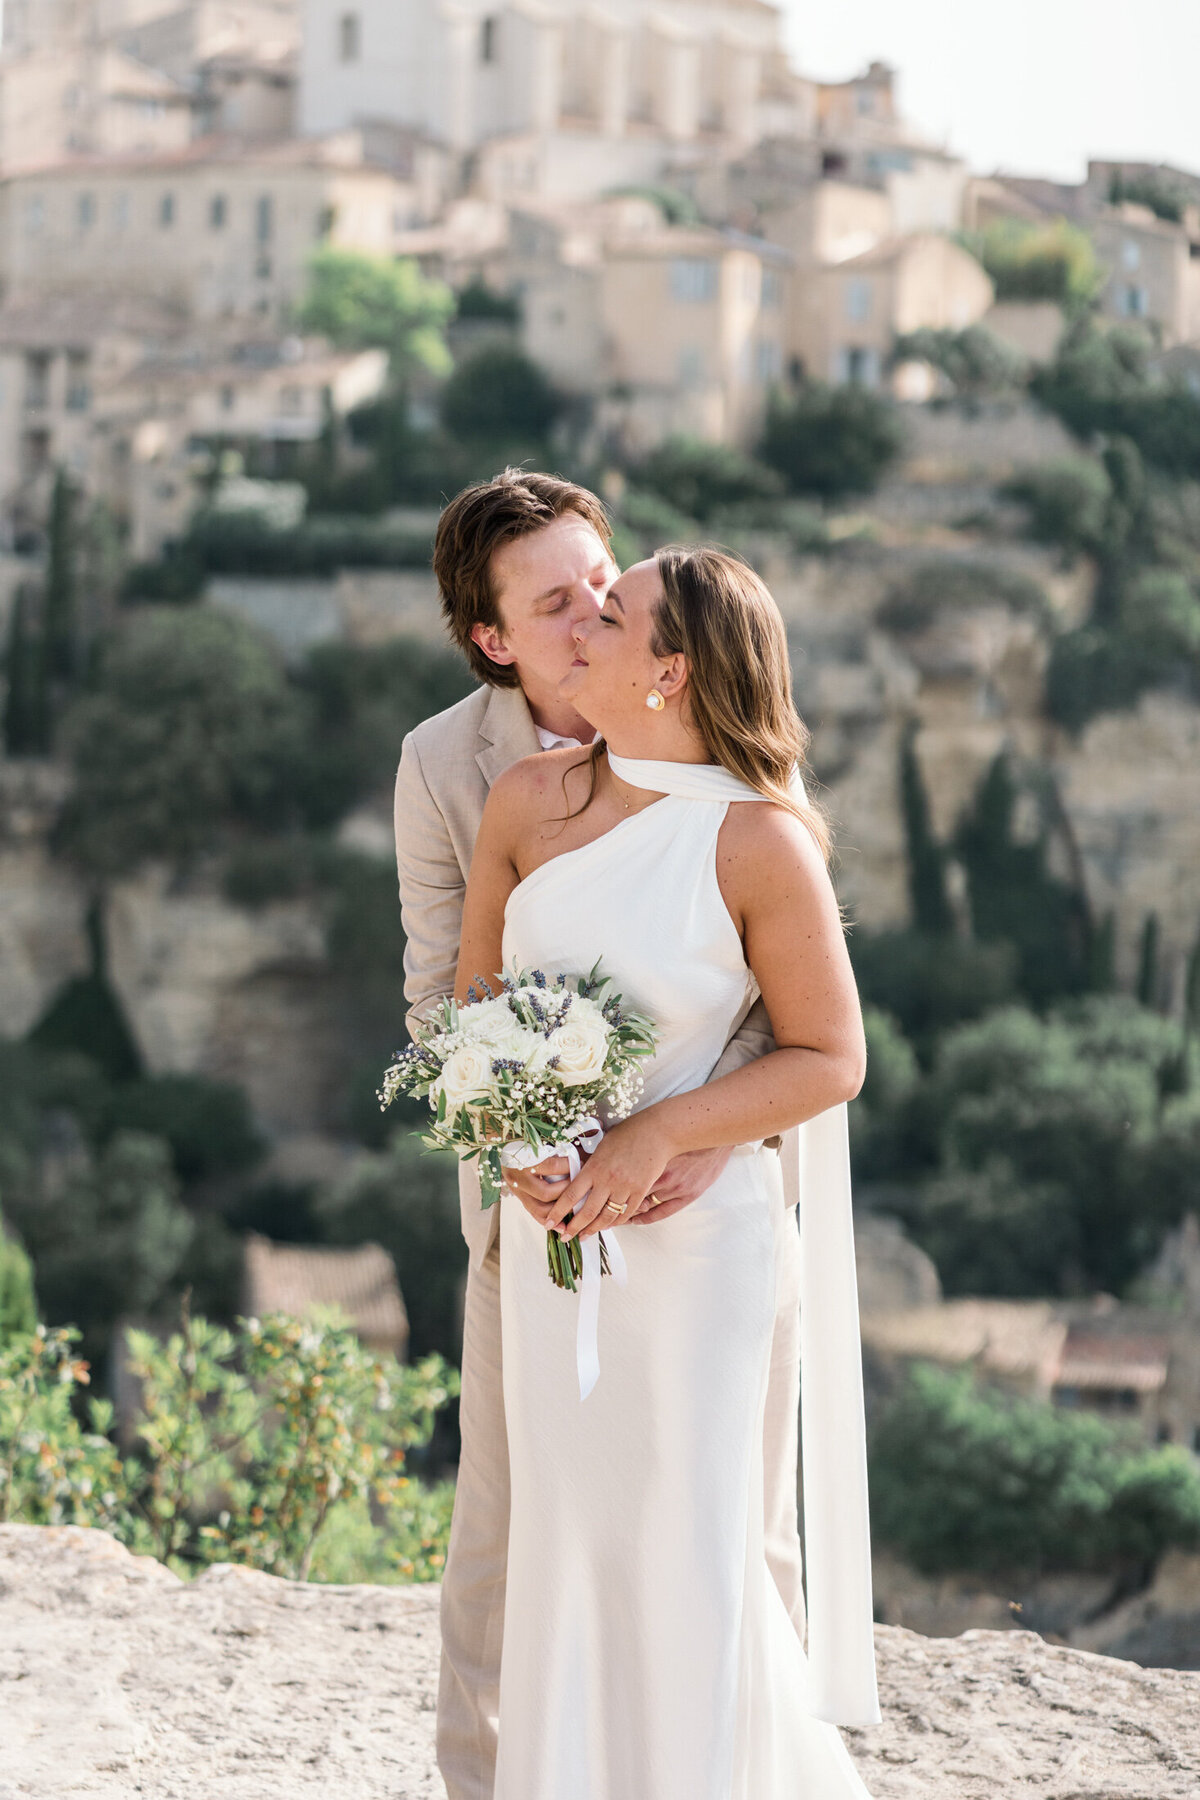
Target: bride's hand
623 1169
538 1188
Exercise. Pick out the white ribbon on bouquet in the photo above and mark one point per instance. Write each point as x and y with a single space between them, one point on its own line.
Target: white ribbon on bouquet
587 1345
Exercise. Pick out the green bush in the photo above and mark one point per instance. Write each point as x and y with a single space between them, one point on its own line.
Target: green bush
359 301
930 983
955 584
1069 1108
206 1123
965 1479
1153 642
977 364
1054 261
1066 500
178 576
699 479
245 544
407 1200
363 700
499 396
478 301
1101 381
18 1307
831 441
247 1446
189 728
108 1238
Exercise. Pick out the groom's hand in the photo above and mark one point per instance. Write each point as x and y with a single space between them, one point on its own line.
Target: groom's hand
683 1180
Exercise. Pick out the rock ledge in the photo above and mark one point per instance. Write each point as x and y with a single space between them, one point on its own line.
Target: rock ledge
117 1679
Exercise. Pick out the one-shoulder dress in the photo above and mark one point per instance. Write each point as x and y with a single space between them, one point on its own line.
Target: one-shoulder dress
647 1654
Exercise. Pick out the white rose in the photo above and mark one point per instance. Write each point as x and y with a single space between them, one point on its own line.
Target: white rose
485 1021
518 1043
467 1075
585 1011
581 1049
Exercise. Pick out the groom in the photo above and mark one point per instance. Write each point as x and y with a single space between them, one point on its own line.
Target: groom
519 561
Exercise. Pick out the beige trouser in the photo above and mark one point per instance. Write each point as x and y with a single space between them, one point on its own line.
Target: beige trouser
473 1588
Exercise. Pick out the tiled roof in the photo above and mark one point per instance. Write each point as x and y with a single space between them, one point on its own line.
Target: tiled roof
1113 1360
292 1278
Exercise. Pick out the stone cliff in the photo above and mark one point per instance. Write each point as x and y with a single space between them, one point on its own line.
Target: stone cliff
117 1678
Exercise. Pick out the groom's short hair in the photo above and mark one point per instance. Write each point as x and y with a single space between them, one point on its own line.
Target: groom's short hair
474 526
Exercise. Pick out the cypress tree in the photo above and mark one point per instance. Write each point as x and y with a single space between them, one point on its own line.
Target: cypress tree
1147 976
27 704
61 581
930 902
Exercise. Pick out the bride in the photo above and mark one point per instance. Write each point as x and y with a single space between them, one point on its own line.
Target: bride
647 1653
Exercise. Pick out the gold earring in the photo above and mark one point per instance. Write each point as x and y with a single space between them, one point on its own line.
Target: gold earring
655 701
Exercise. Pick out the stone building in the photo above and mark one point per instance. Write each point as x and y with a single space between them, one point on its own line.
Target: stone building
218 229
564 97
107 77
122 393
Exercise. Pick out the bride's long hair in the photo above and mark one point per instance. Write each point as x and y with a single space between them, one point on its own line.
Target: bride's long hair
717 614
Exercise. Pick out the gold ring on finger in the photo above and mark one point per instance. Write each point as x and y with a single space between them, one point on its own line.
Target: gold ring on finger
615 1206
653 1200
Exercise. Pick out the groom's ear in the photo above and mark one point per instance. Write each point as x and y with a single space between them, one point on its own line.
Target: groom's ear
490 639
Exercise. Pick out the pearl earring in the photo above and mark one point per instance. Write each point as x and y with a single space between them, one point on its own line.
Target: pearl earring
655 701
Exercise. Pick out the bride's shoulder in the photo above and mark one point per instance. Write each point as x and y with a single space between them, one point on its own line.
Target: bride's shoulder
527 786
761 839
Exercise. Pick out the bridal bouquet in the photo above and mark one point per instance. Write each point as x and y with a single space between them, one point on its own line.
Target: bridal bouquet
518 1076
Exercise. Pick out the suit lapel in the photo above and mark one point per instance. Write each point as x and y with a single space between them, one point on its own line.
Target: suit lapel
506 733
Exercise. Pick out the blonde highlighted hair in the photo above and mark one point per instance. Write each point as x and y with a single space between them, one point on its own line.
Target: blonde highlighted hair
717 614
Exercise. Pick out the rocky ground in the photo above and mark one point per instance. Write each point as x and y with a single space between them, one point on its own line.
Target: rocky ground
117 1679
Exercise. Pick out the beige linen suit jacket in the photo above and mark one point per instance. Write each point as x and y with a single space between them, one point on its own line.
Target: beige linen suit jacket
447 766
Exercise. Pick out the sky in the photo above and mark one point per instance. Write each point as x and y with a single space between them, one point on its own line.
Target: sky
1028 86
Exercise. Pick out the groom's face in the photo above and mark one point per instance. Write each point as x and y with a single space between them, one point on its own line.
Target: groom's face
546 584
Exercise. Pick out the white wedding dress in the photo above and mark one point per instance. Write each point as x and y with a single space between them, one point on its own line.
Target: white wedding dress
647 1654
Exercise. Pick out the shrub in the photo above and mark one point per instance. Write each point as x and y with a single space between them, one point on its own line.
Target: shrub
1054 261
699 478
360 300
407 1200
1069 1107
500 396
931 982
109 1239
18 1307
1101 381
245 544
1066 501
246 1446
364 700
177 577
55 1469
965 1479
955 584
189 727
975 362
831 441
206 1123
478 301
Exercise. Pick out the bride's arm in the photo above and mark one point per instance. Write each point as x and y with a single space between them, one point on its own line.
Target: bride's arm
490 880
778 892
